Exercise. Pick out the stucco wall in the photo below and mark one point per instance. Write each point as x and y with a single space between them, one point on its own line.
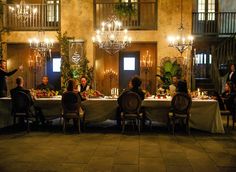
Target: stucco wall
77 20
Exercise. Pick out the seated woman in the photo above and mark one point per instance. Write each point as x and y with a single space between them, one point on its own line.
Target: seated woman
182 87
227 91
231 99
71 87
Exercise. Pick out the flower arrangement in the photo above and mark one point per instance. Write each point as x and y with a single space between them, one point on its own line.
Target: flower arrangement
147 93
43 93
91 94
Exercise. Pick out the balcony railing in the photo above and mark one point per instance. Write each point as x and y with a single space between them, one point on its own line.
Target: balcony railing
221 23
144 15
47 17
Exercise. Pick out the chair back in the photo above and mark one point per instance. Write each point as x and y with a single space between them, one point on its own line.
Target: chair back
70 102
234 105
181 103
20 102
131 103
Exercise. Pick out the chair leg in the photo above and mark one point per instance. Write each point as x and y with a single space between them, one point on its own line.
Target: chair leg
173 126
64 125
233 119
139 125
14 120
83 123
27 123
133 123
187 126
227 125
169 124
79 125
123 125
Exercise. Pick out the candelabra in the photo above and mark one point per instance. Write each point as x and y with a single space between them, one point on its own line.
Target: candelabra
22 11
111 74
35 63
180 42
110 37
146 65
41 44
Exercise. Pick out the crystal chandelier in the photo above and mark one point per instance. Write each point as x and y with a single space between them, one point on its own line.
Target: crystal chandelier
22 11
41 44
110 37
180 42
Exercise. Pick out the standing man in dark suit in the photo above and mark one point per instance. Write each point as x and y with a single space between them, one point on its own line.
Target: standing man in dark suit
3 75
232 75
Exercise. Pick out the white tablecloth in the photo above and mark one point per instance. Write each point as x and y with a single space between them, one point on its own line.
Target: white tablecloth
205 114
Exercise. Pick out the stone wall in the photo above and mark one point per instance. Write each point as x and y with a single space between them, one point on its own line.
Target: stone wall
77 20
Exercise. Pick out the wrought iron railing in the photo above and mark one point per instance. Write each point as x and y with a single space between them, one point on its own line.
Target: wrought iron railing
223 55
220 23
47 17
136 15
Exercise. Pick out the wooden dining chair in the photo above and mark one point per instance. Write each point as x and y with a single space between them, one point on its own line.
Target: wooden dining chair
130 105
180 110
21 107
71 104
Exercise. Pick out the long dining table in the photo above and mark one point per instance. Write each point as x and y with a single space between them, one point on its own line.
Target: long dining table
205 114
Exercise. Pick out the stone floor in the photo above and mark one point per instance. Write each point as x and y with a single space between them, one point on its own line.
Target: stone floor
105 150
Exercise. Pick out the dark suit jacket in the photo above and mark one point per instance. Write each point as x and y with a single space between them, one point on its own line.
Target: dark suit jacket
233 78
3 83
14 90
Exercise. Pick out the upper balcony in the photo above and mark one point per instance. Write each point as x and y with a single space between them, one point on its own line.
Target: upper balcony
46 17
214 24
135 15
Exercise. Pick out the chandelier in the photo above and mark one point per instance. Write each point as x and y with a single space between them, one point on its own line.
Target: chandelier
22 11
41 44
110 37
181 42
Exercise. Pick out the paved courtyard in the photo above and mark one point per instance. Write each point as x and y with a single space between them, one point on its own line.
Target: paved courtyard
104 151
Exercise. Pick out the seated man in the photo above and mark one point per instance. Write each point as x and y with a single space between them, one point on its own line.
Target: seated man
20 87
83 85
45 85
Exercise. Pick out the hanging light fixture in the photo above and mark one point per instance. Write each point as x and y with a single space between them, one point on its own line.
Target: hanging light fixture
22 11
181 42
41 44
111 37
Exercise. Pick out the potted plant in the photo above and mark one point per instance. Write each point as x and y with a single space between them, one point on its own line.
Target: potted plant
169 68
124 9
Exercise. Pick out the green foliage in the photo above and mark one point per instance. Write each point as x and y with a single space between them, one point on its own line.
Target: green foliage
68 70
124 9
82 69
168 69
65 59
